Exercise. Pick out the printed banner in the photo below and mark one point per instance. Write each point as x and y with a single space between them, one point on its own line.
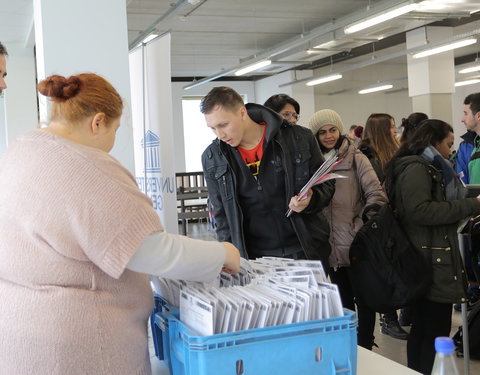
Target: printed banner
151 98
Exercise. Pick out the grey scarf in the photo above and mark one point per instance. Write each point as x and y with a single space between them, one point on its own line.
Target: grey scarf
453 187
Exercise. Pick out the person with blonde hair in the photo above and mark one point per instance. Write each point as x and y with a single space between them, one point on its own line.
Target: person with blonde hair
79 240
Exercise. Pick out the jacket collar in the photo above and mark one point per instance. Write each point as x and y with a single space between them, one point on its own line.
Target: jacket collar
469 137
259 114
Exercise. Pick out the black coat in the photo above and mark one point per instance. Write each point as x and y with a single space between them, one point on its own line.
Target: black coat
296 151
431 222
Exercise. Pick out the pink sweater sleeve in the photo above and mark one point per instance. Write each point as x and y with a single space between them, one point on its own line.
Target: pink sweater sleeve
113 217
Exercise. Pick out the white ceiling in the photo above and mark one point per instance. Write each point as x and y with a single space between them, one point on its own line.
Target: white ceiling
215 36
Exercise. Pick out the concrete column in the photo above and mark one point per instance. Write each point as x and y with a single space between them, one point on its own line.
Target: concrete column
86 36
431 79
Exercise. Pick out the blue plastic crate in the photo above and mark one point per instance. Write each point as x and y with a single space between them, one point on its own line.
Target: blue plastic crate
327 346
159 327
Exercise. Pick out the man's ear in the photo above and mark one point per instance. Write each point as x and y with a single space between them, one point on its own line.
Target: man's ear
243 111
477 116
98 122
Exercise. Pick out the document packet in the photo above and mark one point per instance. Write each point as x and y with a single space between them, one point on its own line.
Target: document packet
268 291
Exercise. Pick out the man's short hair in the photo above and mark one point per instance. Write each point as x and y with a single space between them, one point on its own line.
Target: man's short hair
474 101
278 101
3 50
224 97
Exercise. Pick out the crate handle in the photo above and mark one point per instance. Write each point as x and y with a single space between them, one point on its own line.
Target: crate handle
318 354
239 367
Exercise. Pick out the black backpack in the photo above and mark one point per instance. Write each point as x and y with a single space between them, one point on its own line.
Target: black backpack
387 271
473 324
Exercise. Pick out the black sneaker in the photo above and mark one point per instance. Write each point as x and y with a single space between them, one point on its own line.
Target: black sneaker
404 319
392 328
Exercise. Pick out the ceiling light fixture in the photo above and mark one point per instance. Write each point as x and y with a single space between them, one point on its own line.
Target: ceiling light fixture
327 45
470 69
150 37
251 68
332 77
468 82
314 52
353 28
375 89
444 48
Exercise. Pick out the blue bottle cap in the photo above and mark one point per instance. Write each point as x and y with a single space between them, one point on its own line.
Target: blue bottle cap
444 345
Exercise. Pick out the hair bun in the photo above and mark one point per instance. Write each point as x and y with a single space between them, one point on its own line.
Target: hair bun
60 88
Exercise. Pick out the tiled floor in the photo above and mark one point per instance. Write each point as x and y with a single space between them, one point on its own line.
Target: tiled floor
388 347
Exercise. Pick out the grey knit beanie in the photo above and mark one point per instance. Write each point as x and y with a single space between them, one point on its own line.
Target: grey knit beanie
325 117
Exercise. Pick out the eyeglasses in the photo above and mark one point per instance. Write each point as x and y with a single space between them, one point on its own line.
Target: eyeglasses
254 167
289 115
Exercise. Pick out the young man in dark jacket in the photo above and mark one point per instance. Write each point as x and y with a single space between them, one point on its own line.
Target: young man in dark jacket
254 169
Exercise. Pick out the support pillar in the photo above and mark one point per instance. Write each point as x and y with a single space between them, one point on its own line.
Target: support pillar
431 79
87 36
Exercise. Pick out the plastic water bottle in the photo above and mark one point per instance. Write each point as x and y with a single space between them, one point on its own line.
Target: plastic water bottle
444 363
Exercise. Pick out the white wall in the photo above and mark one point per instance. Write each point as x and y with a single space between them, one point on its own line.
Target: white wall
3 129
242 87
87 36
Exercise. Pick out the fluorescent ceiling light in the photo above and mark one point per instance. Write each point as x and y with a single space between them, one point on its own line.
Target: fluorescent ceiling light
253 67
328 44
333 77
380 18
444 48
313 52
470 69
375 89
465 83
150 37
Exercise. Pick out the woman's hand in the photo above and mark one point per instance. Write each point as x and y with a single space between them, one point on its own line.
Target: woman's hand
232 258
298 205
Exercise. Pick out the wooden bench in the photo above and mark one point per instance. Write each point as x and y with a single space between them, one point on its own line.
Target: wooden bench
192 197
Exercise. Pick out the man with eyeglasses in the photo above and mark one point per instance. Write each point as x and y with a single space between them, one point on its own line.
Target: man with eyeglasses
288 107
254 169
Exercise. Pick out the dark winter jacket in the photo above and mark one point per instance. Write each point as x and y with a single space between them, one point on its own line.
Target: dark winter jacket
431 222
462 157
291 156
372 157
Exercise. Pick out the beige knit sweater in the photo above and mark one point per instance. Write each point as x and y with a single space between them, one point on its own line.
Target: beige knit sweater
71 217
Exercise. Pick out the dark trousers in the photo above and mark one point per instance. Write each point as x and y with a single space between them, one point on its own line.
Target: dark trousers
366 317
429 320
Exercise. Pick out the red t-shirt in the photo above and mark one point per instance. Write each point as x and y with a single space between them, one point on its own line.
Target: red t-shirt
253 157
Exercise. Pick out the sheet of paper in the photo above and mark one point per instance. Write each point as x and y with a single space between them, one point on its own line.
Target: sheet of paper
196 314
